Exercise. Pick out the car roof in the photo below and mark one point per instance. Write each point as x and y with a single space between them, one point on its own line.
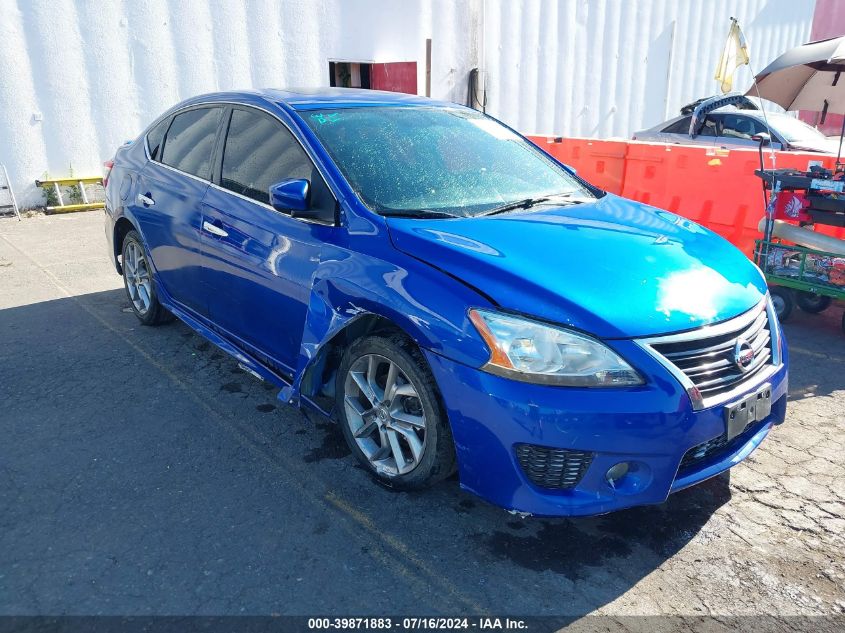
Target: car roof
731 99
728 109
318 98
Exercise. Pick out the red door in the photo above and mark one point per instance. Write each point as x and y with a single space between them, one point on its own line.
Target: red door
395 77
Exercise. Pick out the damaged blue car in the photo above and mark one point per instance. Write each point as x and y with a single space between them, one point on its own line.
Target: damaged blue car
449 294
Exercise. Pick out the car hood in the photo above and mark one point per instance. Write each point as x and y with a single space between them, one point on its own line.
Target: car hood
615 268
824 145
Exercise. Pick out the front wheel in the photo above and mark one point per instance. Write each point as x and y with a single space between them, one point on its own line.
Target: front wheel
390 413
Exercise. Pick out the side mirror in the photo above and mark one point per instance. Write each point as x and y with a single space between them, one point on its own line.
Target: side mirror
764 138
291 195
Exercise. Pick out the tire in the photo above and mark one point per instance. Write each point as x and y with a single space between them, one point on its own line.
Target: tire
783 302
414 411
139 283
812 303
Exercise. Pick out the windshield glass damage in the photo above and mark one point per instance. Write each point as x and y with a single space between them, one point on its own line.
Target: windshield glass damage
420 161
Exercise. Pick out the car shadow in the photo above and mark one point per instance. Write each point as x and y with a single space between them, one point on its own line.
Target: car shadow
571 546
85 370
569 567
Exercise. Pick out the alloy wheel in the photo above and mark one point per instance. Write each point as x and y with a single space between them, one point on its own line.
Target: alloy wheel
385 415
137 277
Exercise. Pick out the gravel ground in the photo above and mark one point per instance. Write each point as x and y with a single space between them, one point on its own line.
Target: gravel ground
141 472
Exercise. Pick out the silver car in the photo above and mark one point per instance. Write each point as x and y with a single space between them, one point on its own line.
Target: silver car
732 121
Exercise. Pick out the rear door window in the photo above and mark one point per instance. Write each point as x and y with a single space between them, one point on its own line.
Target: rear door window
679 127
260 152
155 138
190 141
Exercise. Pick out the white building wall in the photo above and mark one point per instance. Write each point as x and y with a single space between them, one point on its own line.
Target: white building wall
78 77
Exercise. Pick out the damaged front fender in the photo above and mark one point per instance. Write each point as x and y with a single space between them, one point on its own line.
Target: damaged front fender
424 303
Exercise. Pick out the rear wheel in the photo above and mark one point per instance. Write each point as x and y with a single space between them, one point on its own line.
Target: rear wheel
391 415
812 303
139 283
782 301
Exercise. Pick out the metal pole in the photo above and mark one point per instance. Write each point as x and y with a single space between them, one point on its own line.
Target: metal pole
757 90
839 151
58 194
428 67
669 61
11 193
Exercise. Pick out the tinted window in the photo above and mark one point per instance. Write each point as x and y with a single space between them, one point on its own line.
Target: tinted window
679 127
190 141
709 128
261 152
741 127
155 138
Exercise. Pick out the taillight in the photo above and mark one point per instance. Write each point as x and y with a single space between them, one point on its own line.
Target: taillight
106 171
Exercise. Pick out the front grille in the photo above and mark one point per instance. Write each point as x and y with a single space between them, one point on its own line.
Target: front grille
706 357
556 468
715 447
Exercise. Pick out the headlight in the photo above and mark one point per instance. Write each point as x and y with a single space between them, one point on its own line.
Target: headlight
533 352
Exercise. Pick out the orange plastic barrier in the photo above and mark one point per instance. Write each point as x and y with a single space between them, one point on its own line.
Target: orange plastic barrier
714 187
599 162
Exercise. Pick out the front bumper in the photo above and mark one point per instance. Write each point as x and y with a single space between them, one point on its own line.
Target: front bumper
652 426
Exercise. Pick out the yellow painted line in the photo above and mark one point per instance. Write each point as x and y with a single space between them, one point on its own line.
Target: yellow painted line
367 523
282 463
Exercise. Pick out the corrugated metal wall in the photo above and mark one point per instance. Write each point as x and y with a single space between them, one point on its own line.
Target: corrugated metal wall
78 77
609 68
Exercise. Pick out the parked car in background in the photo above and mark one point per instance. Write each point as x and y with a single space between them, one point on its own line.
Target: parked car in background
451 295
718 122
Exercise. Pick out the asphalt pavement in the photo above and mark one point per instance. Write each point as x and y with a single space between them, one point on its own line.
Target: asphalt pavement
142 472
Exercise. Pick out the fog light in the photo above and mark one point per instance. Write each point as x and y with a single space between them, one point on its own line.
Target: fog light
616 473
629 478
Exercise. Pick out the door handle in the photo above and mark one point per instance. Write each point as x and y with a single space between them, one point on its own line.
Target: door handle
208 227
145 200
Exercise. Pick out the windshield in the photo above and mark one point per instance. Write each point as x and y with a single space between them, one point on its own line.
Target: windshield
436 160
795 130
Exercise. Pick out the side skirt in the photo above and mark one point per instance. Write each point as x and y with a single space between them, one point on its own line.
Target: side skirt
246 362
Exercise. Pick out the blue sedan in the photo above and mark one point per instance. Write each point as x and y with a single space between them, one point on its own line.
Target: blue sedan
451 295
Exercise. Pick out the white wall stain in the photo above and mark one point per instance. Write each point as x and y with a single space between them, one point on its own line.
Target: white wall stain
97 72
